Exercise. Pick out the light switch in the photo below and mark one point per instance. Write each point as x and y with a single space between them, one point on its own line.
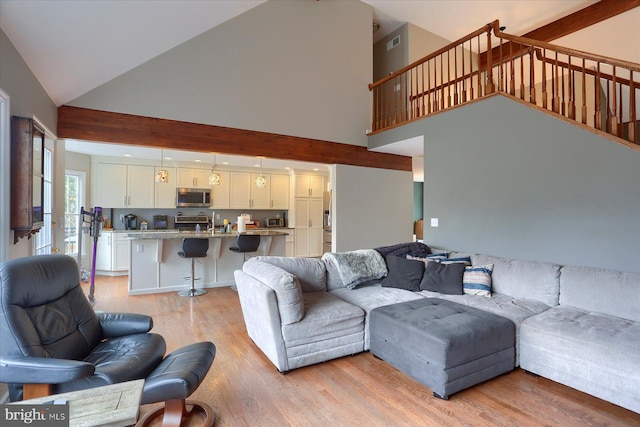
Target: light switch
434 222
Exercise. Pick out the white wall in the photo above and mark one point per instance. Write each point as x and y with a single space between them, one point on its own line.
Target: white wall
298 68
372 207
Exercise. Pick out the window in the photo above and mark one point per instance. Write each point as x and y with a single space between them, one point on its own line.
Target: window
73 202
43 239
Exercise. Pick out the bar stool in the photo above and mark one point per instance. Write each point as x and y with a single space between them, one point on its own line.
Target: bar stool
246 243
193 248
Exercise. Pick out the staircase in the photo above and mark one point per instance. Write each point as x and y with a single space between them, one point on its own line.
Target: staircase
598 92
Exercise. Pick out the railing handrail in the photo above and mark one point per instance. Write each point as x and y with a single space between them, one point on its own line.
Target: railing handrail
476 33
560 49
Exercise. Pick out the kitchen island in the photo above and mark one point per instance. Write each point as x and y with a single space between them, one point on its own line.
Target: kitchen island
156 267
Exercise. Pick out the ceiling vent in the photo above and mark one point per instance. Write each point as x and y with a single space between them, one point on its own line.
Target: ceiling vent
393 42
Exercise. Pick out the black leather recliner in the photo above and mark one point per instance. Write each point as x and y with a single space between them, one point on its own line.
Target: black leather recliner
52 341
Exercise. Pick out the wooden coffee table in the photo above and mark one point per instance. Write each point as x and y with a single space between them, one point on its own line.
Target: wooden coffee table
112 405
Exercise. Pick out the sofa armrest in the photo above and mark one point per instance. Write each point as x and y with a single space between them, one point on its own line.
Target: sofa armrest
262 318
42 370
121 324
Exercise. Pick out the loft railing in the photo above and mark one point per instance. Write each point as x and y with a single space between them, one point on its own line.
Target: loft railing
597 91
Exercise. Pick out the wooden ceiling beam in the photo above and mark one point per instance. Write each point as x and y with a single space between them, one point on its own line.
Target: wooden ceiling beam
118 128
569 24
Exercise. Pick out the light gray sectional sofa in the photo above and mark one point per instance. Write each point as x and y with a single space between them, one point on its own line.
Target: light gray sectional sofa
575 325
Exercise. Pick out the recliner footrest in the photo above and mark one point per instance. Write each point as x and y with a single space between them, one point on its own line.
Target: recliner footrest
179 374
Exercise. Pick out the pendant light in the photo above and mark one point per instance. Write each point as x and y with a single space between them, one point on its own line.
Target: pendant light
162 175
261 181
214 177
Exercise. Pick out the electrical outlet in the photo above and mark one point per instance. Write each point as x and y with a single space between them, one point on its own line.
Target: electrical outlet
121 217
434 222
217 216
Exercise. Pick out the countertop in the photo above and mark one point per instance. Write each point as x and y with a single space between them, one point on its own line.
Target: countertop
172 234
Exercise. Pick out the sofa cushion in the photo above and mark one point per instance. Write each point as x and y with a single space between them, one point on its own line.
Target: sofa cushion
592 352
523 279
311 272
603 291
326 317
403 273
443 278
284 284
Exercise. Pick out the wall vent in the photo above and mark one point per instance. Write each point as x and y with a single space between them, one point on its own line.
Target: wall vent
393 42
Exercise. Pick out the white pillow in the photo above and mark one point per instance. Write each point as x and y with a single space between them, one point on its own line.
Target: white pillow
477 280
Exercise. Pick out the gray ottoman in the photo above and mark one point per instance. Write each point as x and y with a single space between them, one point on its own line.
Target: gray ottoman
444 345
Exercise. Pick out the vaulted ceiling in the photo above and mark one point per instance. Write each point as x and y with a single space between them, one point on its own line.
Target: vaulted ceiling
75 46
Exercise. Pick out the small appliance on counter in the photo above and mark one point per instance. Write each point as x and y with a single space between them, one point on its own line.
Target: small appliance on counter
130 222
274 222
160 222
144 225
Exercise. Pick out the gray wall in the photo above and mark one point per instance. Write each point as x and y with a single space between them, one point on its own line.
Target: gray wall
508 180
297 68
27 98
372 207
415 44
386 61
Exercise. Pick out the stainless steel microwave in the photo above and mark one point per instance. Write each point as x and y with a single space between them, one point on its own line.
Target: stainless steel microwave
193 197
275 222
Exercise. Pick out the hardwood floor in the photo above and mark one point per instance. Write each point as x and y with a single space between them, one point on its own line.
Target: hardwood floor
245 389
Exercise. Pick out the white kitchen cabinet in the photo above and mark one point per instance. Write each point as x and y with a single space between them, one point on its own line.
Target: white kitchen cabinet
260 196
240 192
309 185
110 182
279 191
245 195
140 180
123 186
112 255
308 227
165 192
290 241
193 178
220 194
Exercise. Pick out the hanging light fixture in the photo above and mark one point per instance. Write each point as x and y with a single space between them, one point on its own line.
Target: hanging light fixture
261 181
162 175
214 177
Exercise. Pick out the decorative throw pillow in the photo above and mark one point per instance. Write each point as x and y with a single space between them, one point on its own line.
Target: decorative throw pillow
429 258
477 280
464 260
443 278
403 273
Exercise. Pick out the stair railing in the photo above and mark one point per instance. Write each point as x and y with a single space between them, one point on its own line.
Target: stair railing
595 90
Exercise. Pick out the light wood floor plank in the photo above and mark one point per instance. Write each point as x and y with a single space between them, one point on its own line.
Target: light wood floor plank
245 389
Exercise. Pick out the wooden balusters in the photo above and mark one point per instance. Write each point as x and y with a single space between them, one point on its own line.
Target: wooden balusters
428 86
